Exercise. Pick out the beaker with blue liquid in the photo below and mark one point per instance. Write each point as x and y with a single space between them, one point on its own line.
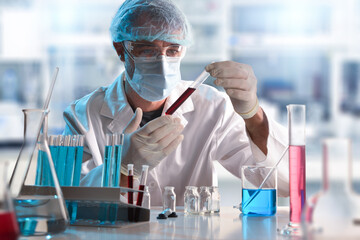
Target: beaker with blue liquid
258 201
38 200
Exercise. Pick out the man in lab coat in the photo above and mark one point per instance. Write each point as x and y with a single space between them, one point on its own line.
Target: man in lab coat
150 38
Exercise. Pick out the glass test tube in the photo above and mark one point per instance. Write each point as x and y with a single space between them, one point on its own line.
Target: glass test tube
79 151
143 177
62 150
296 125
130 183
70 156
116 159
106 174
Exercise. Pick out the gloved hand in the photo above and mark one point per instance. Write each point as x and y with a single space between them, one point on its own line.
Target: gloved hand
239 82
151 143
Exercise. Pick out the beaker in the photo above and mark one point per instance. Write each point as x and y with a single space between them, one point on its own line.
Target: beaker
264 203
9 229
38 200
330 213
296 127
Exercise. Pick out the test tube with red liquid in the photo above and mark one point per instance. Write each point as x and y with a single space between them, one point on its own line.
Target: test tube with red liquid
296 125
199 80
130 183
143 177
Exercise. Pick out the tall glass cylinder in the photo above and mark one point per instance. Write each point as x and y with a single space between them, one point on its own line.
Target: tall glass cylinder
297 183
38 199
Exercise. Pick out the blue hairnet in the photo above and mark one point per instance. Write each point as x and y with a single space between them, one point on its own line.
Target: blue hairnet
150 20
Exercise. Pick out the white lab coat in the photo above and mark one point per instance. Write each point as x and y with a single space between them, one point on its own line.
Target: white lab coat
212 131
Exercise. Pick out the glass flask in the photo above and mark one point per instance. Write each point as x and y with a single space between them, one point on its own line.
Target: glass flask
205 200
9 229
191 200
38 200
329 213
169 199
215 199
297 180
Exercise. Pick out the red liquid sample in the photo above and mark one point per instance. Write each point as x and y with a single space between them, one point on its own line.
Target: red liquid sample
140 195
130 194
180 101
297 182
9 229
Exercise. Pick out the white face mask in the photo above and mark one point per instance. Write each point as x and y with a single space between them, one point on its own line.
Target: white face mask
154 80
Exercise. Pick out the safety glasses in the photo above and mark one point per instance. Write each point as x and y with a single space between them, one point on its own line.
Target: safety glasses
151 51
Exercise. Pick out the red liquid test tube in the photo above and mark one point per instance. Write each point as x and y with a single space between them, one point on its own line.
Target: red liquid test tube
143 178
130 183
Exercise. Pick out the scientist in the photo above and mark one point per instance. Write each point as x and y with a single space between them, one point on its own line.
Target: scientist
150 38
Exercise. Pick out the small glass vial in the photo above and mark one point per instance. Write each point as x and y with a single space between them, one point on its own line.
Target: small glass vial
191 200
205 200
169 199
215 199
146 198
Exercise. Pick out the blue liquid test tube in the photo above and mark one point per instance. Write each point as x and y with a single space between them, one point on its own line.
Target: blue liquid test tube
78 160
63 142
54 152
108 156
116 164
70 159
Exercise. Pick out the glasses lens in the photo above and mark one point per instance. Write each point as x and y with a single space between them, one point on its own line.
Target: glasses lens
153 51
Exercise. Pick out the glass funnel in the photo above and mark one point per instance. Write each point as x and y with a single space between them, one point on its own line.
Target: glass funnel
329 213
38 200
296 125
9 229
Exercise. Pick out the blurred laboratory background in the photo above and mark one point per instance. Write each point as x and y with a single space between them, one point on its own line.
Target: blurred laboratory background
302 52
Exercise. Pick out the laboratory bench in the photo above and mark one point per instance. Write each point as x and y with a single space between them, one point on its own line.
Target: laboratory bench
228 224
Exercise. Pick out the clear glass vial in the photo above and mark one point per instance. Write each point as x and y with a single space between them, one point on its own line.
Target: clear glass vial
205 200
215 199
146 198
169 199
191 200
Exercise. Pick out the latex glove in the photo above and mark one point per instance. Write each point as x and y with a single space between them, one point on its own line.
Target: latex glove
239 82
151 143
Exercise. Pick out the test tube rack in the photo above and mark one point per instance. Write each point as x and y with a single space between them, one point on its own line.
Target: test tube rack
96 206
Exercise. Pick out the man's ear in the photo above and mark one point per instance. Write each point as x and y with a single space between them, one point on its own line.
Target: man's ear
119 50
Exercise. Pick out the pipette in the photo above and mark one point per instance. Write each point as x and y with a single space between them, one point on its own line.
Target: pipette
199 80
264 181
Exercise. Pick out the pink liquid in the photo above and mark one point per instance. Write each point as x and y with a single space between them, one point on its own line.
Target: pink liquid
130 194
297 182
140 195
180 101
9 229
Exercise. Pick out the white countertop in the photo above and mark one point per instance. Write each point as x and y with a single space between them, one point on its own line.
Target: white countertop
228 224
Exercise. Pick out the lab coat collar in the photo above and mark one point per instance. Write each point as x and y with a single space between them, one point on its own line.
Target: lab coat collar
117 108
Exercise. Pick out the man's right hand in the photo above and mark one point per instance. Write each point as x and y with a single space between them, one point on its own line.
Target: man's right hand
151 143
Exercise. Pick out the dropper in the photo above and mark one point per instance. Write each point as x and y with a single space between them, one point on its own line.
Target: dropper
198 81
264 181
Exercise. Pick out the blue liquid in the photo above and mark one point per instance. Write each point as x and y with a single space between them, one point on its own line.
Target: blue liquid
106 167
79 150
43 173
116 166
264 204
69 166
60 168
